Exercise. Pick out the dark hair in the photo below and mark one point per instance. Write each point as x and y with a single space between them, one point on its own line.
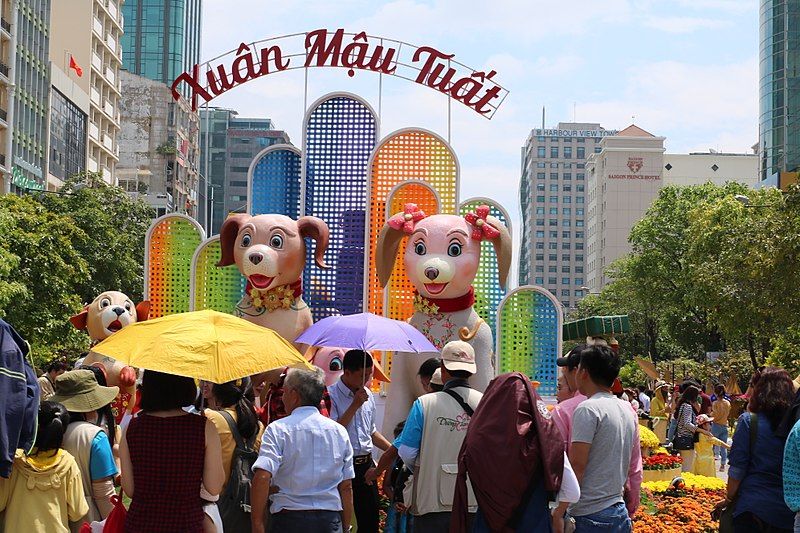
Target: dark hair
53 422
161 392
56 366
719 390
105 415
427 368
459 374
601 363
356 359
690 395
233 394
773 395
399 428
435 387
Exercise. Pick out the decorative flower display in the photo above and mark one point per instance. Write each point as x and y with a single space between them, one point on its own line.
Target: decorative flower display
683 512
691 481
647 438
661 462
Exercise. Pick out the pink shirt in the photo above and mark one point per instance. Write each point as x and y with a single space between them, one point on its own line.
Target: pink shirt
562 416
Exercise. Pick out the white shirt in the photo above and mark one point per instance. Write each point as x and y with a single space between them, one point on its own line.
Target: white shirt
644 400
362 425
570 491
308 456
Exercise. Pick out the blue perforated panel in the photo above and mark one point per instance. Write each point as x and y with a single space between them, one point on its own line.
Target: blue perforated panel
275 185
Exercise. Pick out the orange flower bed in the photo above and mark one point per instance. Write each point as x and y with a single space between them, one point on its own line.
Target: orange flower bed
682 512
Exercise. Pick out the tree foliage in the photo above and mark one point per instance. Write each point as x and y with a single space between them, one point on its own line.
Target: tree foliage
59 251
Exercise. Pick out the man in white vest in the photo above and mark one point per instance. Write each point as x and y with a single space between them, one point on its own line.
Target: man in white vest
432 437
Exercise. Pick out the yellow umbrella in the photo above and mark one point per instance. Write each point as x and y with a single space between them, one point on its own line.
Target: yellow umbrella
205 345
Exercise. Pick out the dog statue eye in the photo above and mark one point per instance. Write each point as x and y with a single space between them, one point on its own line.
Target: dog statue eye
454 250
128 306
419 248
105 302
335 365
246 240
276 242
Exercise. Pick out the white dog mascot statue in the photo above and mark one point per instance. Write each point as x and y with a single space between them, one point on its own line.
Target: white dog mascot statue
441 260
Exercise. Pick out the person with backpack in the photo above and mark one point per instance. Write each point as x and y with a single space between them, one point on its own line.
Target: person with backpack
432 437
240 435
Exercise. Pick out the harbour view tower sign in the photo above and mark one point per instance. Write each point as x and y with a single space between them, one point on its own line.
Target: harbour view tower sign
355 52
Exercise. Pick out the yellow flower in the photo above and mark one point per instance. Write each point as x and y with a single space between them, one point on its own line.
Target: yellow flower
692 481
647 438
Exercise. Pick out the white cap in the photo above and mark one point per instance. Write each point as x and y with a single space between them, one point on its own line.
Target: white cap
459 355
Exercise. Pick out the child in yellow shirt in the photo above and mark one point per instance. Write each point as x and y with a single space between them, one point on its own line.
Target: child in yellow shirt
704 449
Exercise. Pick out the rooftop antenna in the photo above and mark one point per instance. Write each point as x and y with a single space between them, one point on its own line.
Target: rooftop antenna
542 119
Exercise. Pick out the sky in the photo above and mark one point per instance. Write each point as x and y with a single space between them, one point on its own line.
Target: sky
683 69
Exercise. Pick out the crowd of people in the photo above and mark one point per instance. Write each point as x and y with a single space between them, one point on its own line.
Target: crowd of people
461 461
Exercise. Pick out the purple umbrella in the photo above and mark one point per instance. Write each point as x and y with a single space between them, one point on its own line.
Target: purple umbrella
366 331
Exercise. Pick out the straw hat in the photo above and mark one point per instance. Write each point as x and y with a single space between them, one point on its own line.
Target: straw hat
79 392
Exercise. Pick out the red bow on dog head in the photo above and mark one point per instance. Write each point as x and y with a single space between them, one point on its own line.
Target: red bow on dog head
407 219
480 228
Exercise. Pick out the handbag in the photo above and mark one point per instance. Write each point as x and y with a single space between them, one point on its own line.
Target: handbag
115 521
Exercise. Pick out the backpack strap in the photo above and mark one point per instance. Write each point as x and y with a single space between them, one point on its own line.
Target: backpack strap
457 397
237 437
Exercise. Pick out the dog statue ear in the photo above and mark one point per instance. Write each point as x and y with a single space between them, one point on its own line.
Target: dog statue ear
317 229
227 237
143 311
79 320
386 252
502 248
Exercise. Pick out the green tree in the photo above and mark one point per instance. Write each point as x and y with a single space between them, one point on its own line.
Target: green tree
744 263
47 269
117 225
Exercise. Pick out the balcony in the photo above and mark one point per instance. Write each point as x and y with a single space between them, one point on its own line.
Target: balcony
97 62
107 176
95 97
111 43
3 160
97 27
5 25
3 115
4 69
111 77
91 165
94 131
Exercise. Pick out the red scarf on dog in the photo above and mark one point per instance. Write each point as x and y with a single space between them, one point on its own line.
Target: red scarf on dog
432 306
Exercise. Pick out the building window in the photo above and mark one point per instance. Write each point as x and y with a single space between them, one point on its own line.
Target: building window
581 165
566 199
242 155
579 258
540 152
540 138
552 257
565 292
566 245
540 210
580 176
552 281
554 151
239 169
566 188
581 139
579 294
552 222
579 211
597 149
238 184
567 176
552 269
540 257
581 152
580 187
578 281
553 187
541 164
554 175
540 222
539 280
565 257
539 234
540 246
565 234
579 269
566 223
540 175
67 137
553 234
565 269
579 223
540 186
553 210
552 245
568 152
540 198
539 268
554 199
579 246
579 199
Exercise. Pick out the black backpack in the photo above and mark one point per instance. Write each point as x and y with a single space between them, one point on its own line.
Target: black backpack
234 502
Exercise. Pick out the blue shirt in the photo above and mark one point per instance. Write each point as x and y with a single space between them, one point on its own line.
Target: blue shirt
409 441
101 459
362 425
791 469
761 490
308 456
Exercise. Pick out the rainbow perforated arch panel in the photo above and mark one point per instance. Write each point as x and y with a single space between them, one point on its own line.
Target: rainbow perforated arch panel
488 292
170 244
409 154
274 181
340 134
213 287
529 324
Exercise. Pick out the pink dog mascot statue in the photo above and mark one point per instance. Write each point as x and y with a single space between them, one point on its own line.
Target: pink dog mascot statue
441 260
270 252
330 361
108 313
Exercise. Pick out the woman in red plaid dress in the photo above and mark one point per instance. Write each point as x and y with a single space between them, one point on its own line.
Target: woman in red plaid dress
167 454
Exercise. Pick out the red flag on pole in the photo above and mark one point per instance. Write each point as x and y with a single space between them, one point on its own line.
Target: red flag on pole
74 66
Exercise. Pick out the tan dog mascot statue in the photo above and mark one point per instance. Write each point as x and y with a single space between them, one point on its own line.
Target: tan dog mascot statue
270 251
108 313
441 259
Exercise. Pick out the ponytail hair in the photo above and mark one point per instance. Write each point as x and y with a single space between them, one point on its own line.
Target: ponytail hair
235 394
53 422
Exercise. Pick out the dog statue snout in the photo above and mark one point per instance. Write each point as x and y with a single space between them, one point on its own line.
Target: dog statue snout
256 257
431 273
119 311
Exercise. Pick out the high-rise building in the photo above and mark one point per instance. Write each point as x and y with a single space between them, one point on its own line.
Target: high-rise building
553 192
779 92
226 154
623 179
86 56
162 37
159 150
8 30
31 105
